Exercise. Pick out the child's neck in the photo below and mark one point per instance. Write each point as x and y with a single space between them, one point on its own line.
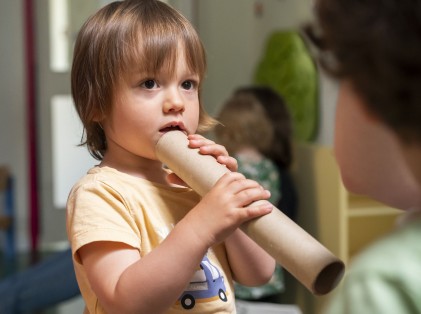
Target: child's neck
148 169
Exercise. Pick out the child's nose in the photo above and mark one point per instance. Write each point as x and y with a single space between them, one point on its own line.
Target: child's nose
173 102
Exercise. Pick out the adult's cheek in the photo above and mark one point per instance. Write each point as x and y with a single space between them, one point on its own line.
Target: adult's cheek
368 155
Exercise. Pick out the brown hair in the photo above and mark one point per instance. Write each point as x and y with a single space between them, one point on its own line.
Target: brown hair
244 122
280 150
122 34
376 45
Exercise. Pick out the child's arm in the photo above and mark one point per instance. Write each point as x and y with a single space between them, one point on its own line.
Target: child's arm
250 264
126 283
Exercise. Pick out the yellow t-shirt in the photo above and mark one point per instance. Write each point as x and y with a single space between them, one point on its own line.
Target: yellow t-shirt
108 205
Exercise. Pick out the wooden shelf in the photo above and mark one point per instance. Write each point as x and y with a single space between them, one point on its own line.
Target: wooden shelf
363 206
363 230
338 219
372 211
343 222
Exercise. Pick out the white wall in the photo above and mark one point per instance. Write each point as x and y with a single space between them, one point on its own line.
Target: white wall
235 37
327 106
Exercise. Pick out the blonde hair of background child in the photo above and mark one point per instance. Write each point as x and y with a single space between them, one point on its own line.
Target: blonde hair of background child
244 123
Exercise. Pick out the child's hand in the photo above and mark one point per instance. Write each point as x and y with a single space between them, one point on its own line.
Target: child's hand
225 207
208 147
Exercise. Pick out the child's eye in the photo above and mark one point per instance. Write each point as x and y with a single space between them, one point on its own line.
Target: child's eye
149 84
188 85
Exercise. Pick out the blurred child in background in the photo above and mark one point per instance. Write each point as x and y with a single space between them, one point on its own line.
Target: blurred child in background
280 150
263 152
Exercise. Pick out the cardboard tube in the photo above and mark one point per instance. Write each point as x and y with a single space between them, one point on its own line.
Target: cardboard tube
292 247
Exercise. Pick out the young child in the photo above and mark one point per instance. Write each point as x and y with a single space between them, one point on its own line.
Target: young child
373 48
280 150
141 244
248 134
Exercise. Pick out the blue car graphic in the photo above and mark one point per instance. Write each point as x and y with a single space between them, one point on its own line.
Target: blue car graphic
206 285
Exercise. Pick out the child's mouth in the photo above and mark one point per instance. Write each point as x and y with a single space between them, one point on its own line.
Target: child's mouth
170 128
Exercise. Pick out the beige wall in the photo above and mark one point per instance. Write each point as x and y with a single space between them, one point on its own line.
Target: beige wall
235 37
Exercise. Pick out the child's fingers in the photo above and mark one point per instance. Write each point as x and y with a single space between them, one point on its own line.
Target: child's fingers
230 177
206 146
196 141
249 195
259 208
230 162
245 191
195 136
213 149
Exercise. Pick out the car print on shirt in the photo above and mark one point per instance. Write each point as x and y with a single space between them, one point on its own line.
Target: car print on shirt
206 285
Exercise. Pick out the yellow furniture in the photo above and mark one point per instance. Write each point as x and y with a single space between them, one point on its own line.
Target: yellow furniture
343 222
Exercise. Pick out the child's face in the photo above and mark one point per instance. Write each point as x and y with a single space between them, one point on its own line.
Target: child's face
146 107
368 154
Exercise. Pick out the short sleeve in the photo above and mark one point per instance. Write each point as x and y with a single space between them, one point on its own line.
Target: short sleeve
97 212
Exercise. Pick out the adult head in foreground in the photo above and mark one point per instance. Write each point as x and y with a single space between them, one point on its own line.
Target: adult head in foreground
373 48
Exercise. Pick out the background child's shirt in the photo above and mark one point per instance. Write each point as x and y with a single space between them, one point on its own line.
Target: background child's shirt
264 171
108 205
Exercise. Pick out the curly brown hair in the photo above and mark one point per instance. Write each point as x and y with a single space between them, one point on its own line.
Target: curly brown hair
375 45
118 36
